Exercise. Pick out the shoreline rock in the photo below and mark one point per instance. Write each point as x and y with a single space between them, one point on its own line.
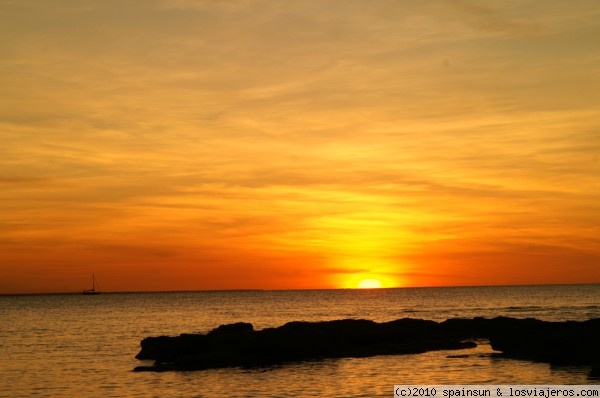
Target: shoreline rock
239 345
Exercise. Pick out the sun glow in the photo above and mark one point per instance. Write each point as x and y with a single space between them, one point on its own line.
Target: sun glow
369 284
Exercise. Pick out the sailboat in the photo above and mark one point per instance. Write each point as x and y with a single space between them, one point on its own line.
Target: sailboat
93 289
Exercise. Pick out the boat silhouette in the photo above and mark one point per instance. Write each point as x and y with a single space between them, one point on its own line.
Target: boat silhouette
93 290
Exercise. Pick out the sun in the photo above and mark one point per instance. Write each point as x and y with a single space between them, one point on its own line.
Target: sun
369 284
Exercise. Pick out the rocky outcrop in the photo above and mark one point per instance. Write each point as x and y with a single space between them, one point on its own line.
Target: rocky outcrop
557 343
238 344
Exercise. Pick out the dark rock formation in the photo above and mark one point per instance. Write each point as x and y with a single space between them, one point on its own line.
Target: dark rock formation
557 343
574 343
240 345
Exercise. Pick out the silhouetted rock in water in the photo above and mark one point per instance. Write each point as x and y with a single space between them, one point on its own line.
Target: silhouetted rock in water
239 344
557 343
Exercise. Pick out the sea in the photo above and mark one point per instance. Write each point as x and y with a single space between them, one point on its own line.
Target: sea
71 345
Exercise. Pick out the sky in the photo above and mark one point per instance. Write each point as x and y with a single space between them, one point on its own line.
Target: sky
250 144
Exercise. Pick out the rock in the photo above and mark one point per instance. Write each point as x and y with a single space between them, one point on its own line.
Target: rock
573 343
557 343
239 345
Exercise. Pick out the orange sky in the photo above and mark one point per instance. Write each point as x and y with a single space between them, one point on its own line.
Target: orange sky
190 144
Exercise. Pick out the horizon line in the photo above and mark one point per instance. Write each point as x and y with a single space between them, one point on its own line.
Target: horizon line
291 290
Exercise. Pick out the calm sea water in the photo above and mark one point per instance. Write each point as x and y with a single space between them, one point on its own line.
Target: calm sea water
75 346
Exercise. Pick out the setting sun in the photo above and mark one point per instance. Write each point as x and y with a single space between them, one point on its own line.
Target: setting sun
369 284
